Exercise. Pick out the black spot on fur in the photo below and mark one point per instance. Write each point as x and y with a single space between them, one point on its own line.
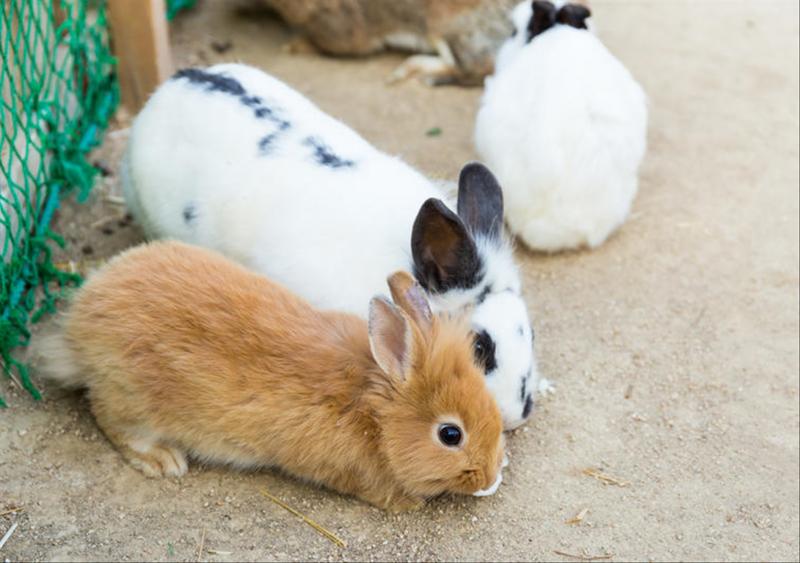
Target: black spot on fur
261 111
227 85
325 156
210 81
526 410
484 349
522 392
484 294
251 101
189 213
266 143
521 330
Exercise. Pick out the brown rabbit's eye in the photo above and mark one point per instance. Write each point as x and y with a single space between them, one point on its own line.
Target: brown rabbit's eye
450 434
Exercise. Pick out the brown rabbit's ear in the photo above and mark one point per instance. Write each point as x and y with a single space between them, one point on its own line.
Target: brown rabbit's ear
408 294
390 337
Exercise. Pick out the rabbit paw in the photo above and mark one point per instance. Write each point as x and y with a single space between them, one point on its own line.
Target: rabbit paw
157 460
433 70
546 387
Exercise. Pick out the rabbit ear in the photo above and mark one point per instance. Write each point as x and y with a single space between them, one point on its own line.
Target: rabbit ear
445 255
543 18
574 15
390 338
480 200
410 297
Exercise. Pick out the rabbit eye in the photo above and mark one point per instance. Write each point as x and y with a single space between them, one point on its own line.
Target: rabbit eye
450 434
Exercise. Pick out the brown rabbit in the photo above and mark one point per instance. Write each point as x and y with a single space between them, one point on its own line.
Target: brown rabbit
458 37
184 353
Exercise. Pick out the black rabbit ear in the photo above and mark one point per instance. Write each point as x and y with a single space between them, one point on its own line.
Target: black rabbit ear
543 18
574 15
444 253
480 201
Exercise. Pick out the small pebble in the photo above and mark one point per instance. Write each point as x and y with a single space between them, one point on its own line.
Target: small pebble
103 168
221 47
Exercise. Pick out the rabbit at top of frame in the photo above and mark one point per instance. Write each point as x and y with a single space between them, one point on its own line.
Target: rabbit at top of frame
563 125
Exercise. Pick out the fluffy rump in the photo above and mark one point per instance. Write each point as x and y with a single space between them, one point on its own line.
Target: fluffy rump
563 126
55 360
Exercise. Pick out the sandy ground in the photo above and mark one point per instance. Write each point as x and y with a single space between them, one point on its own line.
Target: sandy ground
674 347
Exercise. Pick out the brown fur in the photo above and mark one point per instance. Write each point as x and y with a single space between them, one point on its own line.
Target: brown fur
185 352
472 29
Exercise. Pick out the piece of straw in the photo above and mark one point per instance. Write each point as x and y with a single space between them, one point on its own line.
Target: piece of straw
325 532
8 535
585 557
578 517
202 542
603 478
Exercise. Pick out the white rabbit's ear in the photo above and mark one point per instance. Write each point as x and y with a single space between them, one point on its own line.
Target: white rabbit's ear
542 19
390 338
480 201
574 15
444 253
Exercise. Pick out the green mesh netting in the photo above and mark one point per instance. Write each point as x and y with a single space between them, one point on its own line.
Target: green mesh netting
175 6
57 92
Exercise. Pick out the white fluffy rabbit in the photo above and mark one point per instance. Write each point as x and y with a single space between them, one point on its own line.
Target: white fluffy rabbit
232 159
563 125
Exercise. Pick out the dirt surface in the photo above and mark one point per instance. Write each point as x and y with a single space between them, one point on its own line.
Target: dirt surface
674 347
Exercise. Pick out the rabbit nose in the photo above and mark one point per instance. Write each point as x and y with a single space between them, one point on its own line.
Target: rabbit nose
492 489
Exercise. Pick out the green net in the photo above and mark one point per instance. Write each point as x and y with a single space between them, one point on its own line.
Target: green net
175 6
57 92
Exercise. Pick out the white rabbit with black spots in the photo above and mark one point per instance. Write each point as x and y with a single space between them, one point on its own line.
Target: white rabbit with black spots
563 125
233 159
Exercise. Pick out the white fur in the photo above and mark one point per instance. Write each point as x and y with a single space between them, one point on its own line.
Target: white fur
332 235
492 489
562 124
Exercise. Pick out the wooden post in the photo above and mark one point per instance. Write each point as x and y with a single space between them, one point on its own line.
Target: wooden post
140 41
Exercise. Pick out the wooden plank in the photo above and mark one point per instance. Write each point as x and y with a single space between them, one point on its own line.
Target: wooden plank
140 41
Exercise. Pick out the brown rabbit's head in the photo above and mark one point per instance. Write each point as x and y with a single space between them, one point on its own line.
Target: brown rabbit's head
441 429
